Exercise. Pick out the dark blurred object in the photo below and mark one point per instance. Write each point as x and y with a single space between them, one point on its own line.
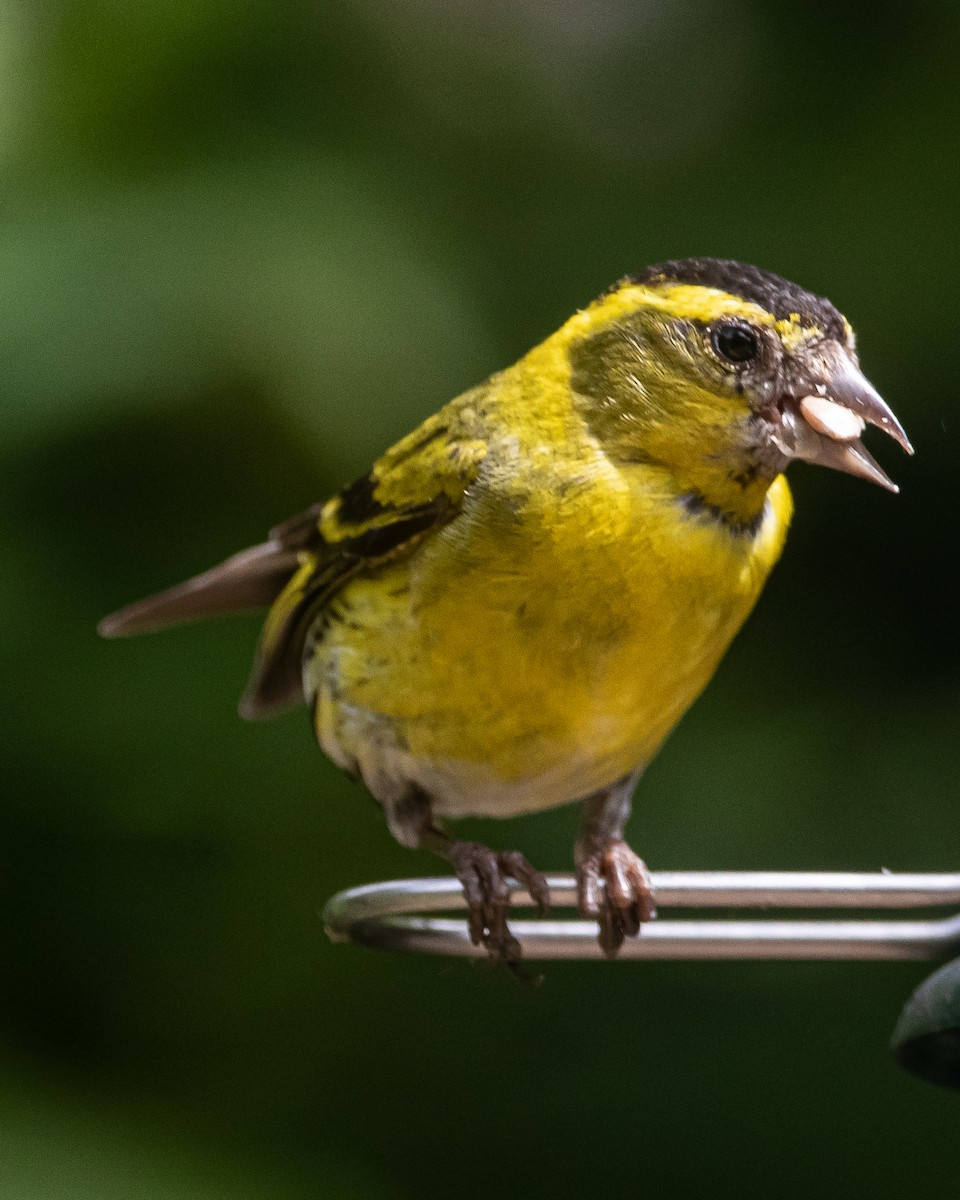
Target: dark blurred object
927 1038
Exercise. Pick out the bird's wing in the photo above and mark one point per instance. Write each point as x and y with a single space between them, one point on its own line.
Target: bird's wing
415 488
418 485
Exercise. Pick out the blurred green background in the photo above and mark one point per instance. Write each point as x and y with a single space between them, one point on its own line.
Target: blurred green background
243 246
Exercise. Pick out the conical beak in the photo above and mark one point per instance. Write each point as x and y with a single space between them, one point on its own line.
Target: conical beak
824 425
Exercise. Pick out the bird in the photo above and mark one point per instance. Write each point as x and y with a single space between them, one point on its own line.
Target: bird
515 606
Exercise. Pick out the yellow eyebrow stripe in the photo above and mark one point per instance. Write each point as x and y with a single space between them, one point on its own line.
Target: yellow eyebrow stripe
684 301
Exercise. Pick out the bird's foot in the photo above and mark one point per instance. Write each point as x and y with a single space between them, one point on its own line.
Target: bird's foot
484 875
615 889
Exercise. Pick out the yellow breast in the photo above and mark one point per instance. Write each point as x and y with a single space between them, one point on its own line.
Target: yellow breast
542 645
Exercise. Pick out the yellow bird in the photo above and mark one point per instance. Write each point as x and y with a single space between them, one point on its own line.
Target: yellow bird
517 604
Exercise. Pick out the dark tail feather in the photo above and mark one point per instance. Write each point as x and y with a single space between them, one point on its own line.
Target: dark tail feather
251 579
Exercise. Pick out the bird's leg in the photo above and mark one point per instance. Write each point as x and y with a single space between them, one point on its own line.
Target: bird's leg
483 873
613 883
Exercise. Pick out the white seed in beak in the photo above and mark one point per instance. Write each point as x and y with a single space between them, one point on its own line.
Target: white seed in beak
831 419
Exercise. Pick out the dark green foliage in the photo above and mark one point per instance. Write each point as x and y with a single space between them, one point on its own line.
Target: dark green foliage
243 248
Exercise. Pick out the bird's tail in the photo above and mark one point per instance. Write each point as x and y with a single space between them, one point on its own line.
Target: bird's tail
282 574
252 579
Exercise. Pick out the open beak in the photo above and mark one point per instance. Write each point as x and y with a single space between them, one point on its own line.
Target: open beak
824 425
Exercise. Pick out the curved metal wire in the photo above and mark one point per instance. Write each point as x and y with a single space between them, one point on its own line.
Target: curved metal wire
390 916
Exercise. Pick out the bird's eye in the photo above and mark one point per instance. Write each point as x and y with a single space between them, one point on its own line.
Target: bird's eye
735 343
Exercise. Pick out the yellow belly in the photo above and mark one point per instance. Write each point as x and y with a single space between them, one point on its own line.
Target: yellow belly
519 664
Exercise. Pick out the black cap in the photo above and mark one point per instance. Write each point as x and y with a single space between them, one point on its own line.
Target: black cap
774 293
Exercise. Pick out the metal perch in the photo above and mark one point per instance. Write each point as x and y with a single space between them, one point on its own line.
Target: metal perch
392 916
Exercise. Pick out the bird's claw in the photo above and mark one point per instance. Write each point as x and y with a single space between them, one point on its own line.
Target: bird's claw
615 889
484 875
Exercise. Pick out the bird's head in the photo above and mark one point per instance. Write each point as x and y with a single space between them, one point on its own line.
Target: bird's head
721 374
